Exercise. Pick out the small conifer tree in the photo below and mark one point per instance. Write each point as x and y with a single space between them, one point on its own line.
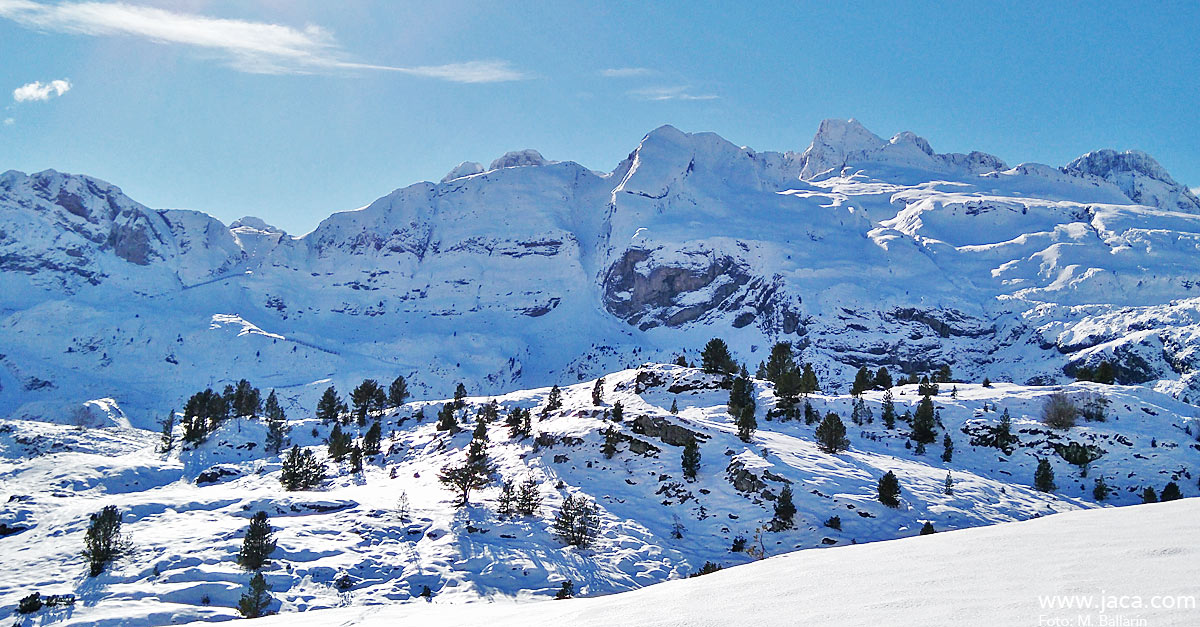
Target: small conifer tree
927 528
947 447
1101 490
1148 495
398 392
256 599
598 392
1043 477
889 490
103 543
785 510
715 358
691 459
258 545
831 434
371 441
1170 493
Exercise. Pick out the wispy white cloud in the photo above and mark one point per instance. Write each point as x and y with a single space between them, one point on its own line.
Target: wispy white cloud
246 46
9 121
626 72
670 93
41 91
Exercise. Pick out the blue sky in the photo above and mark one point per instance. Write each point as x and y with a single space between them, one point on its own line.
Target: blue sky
291 110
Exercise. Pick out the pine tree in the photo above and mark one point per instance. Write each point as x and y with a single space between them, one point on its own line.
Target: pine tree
1101 491
367 397
554 401
301 470
1148 495
610 442
883 379
740 396
258 545
489 412
923 422
598 392
256 599
371 441
785 510
460 396
808 381
277 427
779 363
948 488
446 420
925 388
398 392
691 459
1043 477
519 422
506 504
1105 373
947 448
577 522
103 543
944 374
339 443
889 410
889 490
356 459
1004 435
746 423
567 591
1170 493
245 400
330 406
529 498
618 412
987 383
927 528
271 409
475 473
715 358
862 382
674 407
166 441
810 415
480 432
831 434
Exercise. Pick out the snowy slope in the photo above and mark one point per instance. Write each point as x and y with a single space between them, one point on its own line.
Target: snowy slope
1011 574
861 250
187 535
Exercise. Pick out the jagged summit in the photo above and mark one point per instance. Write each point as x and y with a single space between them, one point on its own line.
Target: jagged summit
251 223
1142 179
520 158
464 169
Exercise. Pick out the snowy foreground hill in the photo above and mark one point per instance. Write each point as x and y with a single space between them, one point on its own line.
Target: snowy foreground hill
351 542
1122 566
530 272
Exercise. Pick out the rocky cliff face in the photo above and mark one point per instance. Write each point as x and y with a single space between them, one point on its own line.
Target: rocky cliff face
860 250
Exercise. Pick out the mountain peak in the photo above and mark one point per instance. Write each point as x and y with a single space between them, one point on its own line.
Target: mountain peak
519 158
1139 176
464 169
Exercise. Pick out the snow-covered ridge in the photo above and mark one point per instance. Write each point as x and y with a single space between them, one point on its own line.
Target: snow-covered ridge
348 544
864 251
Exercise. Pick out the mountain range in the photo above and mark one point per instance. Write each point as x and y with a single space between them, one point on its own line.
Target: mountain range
861 251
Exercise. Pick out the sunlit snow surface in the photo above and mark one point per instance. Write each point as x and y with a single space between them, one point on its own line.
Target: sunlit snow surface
187 536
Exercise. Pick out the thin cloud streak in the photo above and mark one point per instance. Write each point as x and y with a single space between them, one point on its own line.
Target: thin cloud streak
38 91
252 47
627 72
669 93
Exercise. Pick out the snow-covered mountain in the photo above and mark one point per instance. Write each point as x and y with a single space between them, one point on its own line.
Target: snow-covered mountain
351 543
860 250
